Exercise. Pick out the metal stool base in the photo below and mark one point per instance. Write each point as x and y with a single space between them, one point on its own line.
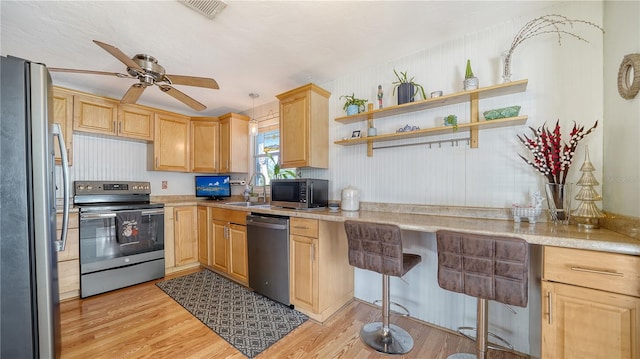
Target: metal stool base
503 344
395 341
462 356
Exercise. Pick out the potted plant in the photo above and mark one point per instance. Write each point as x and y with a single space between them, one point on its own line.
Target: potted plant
407 88
470 81
451 120
276 172
353 105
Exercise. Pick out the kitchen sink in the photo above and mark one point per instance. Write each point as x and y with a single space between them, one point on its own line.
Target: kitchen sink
249 204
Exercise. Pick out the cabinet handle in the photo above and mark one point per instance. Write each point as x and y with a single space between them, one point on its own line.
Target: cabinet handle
119 127
596 271
300 227
114 127
156 162
549 303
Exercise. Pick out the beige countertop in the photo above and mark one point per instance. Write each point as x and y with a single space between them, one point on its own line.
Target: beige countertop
541 233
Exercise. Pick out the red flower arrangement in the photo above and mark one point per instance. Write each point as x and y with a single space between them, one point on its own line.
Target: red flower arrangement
551 156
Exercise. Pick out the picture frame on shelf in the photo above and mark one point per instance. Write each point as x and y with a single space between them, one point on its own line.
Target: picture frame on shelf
355 134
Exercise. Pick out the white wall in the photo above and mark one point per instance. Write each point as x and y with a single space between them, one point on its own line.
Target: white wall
621 184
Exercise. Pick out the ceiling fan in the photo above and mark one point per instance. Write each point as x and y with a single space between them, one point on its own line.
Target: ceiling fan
146 69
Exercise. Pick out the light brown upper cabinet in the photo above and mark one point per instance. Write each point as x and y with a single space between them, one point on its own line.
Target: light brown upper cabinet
304 127
135 122
106 116
205 144
234 143
95 114
170 148
63 114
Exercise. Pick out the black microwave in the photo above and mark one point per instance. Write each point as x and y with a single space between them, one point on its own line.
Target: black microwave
300 193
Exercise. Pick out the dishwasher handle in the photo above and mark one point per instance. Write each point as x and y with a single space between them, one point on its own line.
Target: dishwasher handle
252 222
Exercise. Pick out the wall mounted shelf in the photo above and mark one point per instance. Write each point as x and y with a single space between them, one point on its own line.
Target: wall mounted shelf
473 126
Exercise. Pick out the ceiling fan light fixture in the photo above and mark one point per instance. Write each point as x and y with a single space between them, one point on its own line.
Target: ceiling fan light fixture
208 8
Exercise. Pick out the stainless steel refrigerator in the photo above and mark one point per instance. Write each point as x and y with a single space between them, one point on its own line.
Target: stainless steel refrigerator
29 302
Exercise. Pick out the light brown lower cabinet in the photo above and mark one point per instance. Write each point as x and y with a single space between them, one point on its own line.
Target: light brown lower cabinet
185 232
69 259
228 244
321 279
590 305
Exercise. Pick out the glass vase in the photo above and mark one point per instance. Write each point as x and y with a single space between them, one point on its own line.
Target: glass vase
559 201
506 66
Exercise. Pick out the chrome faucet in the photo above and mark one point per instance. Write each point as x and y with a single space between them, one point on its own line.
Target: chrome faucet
264 186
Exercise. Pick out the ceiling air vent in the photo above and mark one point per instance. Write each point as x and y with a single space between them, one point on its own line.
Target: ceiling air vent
208 8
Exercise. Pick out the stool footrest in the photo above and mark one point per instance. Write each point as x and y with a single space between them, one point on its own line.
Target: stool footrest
504 346
378 302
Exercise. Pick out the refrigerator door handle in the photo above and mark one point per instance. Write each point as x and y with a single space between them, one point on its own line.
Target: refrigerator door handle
62 242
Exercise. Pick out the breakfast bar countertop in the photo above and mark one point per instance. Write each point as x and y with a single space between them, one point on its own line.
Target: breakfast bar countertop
542 233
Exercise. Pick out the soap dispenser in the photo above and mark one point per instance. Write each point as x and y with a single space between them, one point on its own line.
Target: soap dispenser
350 199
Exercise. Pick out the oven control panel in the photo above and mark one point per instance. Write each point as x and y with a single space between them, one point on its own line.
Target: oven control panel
111 188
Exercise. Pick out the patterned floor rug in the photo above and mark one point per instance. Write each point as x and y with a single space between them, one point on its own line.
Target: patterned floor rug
248 321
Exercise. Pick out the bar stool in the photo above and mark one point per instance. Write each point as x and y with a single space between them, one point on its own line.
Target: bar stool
485 267
378 247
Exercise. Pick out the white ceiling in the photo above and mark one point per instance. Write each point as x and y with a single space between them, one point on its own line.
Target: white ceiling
266 47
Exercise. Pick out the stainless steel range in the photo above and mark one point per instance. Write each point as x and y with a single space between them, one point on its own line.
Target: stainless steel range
121 235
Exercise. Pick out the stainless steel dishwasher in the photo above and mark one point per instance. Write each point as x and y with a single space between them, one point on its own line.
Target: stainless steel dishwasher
268 252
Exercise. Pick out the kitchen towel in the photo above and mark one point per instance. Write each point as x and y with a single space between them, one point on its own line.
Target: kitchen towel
127 224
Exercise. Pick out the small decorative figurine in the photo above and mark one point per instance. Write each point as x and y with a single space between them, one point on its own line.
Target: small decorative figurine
380 94
530 212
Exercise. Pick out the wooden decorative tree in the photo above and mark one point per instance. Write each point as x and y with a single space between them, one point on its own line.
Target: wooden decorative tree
587 213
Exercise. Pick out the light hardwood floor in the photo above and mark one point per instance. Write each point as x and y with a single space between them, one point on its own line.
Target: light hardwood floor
143 322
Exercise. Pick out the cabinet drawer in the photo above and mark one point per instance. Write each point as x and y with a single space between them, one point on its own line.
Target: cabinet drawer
72 247
304 227
69 275
73 220
229 215
613 272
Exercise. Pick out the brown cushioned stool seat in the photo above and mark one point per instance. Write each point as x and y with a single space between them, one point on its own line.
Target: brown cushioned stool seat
378 247
485 267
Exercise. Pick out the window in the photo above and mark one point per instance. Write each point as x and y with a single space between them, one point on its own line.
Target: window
267 155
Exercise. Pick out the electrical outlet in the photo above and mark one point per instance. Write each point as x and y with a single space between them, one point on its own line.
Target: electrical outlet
165 185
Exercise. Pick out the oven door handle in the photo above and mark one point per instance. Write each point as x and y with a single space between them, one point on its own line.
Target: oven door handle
97 215
152 212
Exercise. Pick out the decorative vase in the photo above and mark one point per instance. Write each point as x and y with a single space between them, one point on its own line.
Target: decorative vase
406 93
352 110
506 66
559 200
471 83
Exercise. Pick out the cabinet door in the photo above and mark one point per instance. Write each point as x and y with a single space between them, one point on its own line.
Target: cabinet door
238 266
169 239
186 243
294 131
586 323
304 272
203 234
234 143
219 247
171 143
204 146
63 114
135 122
95 114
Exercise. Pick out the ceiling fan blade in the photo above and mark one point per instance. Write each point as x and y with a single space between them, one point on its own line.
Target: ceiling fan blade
192 81
90 72
115 52
182 97
133 94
